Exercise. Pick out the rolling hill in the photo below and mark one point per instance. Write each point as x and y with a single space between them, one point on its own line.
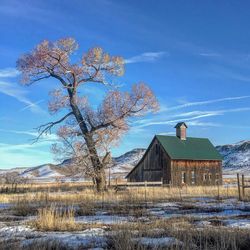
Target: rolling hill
236 160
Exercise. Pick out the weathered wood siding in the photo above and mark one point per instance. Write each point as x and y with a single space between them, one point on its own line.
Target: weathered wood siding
166 172
154 166
203 172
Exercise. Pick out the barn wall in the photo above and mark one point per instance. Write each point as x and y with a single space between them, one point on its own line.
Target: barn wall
166 172
155 165
152 164
205 172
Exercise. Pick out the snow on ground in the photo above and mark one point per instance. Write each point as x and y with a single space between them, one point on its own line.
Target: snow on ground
159 242
103 219
238 223
5 205
89 238
14 231
206 212
201 208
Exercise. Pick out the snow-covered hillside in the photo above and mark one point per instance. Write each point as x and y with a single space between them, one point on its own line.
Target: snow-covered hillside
124 163
43 171
50 172
236 157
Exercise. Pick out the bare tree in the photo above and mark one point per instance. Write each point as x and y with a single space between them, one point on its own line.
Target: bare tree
13 178
86 133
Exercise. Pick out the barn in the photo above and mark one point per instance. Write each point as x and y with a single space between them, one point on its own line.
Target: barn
179 160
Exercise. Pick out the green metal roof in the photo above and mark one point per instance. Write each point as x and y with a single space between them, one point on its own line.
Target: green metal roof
189 149
179 124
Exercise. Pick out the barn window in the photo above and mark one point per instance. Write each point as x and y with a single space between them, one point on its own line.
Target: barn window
204 177
183 177
193 177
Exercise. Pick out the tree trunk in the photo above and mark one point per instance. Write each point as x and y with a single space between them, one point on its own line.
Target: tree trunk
100 180
98 167
100 176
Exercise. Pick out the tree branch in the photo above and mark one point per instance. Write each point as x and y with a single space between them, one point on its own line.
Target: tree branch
123 115
40 78
46 128
60 79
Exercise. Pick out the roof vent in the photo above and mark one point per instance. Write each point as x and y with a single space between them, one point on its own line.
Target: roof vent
181 128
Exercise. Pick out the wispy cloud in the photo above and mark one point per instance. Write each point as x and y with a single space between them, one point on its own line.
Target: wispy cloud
204 124
211 112
146 57
200 103
14 91
45 137
32 105
8 72
192 118
167 133
171 122
210 54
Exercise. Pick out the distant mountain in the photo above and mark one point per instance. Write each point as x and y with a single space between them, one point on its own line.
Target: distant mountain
18 170
50 172
42 171
236 157
124 163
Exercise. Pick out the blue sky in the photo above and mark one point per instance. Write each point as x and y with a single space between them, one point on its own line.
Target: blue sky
195 55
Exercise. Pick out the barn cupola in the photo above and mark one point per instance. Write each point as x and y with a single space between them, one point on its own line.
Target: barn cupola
181 128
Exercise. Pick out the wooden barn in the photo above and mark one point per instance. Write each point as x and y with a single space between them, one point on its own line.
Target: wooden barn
179 160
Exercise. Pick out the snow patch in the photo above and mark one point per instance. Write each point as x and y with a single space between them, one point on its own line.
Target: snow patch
239 223
157 242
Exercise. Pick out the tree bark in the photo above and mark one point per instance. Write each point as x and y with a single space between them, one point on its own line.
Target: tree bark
100 177
100 180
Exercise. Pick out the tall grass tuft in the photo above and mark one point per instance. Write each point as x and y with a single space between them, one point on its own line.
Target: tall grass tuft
55 219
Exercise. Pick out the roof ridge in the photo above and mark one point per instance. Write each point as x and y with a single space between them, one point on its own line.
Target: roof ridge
186 137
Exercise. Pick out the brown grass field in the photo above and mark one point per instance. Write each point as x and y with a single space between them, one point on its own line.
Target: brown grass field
55 207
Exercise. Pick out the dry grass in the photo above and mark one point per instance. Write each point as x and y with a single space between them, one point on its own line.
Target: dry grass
219 238
54 219
132 195
189 240
56 213
23 207
85 208
54 203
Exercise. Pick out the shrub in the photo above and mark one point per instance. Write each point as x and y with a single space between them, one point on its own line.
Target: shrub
24 207
56 219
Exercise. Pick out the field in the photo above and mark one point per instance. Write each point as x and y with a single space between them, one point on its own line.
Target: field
74 216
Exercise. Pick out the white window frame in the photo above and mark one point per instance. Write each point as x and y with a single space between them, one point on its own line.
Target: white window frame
193 177
210 176
205 177
217 178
